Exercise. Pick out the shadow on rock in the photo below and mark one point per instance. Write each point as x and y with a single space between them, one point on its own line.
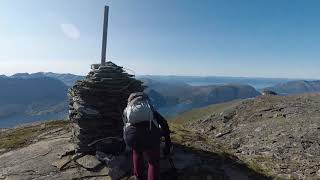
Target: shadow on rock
195 164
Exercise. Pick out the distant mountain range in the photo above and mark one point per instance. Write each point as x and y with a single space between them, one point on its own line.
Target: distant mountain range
257 83
25 97
296 87
31 97
68 79
173 98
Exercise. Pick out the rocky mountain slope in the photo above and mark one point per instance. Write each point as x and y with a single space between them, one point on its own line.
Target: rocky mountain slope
43 151
268 137
296 87
276 135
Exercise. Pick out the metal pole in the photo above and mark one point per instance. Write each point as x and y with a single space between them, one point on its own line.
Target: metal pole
104 36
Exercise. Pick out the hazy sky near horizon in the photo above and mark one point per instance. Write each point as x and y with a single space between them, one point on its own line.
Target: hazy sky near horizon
253 38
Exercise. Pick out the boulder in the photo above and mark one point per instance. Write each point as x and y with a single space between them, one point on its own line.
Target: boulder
88 162
269 92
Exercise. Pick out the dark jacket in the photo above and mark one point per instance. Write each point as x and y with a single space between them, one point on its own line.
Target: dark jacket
140 137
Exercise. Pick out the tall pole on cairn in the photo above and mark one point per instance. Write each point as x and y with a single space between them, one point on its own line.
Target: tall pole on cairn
104 36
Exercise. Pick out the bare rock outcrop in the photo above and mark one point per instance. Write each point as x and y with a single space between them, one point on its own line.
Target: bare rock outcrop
52 156
277 134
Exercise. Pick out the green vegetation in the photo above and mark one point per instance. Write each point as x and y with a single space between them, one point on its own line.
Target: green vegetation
196 142
209 149
22 136
261 164
199 113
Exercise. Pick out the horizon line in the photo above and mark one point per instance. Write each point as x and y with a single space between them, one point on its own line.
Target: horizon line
171 75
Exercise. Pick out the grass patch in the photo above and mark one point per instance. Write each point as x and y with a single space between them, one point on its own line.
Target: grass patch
255 164
199 113
213 152
194 140
263 165
22 136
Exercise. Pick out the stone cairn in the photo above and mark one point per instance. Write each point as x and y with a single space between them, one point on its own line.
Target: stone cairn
96 106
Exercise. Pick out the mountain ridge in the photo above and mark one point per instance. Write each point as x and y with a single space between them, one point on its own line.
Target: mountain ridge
174 98
67 78
170 98
296 87
31 97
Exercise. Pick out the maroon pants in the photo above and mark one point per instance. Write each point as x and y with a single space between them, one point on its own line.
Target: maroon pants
152 156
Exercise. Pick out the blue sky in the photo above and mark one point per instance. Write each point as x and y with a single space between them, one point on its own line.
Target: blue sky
253 38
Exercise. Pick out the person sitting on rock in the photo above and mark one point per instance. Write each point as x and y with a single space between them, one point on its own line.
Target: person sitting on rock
142 132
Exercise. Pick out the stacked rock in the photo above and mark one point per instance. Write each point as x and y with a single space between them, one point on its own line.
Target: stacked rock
96 106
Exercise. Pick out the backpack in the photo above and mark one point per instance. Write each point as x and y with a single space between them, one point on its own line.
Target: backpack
138 110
